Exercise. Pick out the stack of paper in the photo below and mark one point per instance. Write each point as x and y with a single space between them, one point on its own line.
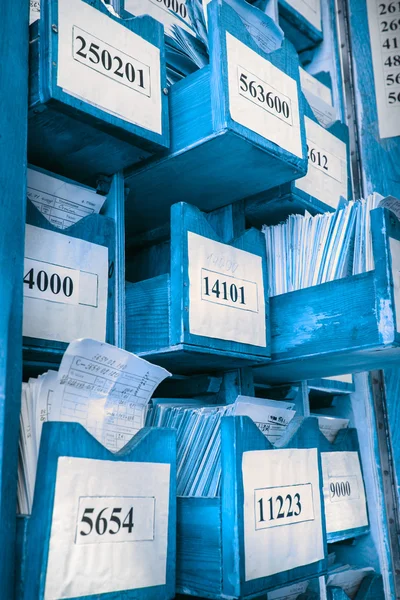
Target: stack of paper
348 578
184 47
105 389
199 436
330 426
306 250
289 592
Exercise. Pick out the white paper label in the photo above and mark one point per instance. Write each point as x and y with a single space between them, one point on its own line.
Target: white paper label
65 287
282 510
262 97
395 254
108 66
226 292
109 520
168 12
345 504
77 568
326 178
309 9
384 30
34 11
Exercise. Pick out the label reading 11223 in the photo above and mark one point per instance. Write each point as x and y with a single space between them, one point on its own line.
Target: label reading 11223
261 93
286 505
115 519
107 60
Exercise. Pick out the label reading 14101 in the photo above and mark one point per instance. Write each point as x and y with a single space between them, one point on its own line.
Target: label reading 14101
112 519
261 93
286 505
229 291
107 60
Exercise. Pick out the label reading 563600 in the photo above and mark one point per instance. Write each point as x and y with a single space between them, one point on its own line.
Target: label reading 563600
258 91
106 519
111 62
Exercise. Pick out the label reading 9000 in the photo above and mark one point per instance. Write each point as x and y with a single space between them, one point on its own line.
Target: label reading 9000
111 62
263 94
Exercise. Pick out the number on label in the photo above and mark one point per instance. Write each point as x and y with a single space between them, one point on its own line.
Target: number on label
284 508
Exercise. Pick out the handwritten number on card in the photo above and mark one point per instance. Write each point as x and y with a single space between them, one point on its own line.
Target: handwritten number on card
102 524
280 507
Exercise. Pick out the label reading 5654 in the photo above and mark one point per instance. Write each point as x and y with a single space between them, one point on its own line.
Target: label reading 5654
107 519
111 62
286 505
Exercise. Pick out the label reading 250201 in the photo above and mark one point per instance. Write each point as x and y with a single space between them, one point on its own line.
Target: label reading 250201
111 62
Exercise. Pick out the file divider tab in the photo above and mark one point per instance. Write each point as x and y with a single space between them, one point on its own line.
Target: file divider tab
237 125
198 304
96 103
88 499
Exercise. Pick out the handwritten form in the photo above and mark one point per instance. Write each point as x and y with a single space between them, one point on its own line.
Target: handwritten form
106 389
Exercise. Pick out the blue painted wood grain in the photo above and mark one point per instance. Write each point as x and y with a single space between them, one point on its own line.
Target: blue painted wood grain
275 205
157 307
97 229
392 393
71 439
303 34
13 141
210 530
66 134
380 159
331 386
347 325
213 160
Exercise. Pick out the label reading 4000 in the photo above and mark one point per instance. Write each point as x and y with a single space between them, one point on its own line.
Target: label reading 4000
109 61
54 283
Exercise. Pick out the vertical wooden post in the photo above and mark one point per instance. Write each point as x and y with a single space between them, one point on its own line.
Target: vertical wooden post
13 138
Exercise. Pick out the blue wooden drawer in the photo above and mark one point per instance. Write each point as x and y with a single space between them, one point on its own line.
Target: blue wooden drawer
371 588
336 385
55 557
69 283
95 101
214 534
196 304
301 22
321 190
346 512
347 325
237 125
